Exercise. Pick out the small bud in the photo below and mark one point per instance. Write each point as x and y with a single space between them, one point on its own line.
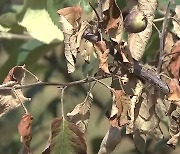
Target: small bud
135 22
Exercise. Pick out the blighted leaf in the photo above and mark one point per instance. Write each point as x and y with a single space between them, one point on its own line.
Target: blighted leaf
81 113
137 41
176 26
102 52
137 93
113 22
65 137
24 129
69 21
37 21
174 91
111 140
174 65
174 128
147 121
10 99
86 49
81 32
70 44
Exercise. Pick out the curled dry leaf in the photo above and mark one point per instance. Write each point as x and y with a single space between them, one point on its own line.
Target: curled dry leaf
72 14
9 99
174 140
174 91
102 52
137 41
176 22
110 140
69 19
81 113
65 137
24 129
174 65
174 128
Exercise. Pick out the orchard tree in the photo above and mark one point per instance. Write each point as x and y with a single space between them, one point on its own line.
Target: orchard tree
66 58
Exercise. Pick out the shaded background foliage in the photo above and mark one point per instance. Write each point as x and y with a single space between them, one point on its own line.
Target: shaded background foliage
47 61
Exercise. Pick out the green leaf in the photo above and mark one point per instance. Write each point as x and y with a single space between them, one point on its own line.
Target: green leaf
8 19
36 19
85 6
66 138
52 7
39 49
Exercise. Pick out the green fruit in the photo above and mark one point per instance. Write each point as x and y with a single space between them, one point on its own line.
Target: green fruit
135 22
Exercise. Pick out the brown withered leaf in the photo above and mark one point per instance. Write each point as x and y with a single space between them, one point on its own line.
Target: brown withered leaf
65 137
110 140
113 22
174 91
9 99
72 14
137 41
24 129
81 113
174 128
176 26
120 109
174 65
102 52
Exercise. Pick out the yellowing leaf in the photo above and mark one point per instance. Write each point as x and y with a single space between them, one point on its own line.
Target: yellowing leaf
36 19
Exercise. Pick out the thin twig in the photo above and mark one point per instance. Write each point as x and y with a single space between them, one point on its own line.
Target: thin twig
85 80
9 36
36 78
162 37
97 15
25 110
111 89
158 19
62 101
